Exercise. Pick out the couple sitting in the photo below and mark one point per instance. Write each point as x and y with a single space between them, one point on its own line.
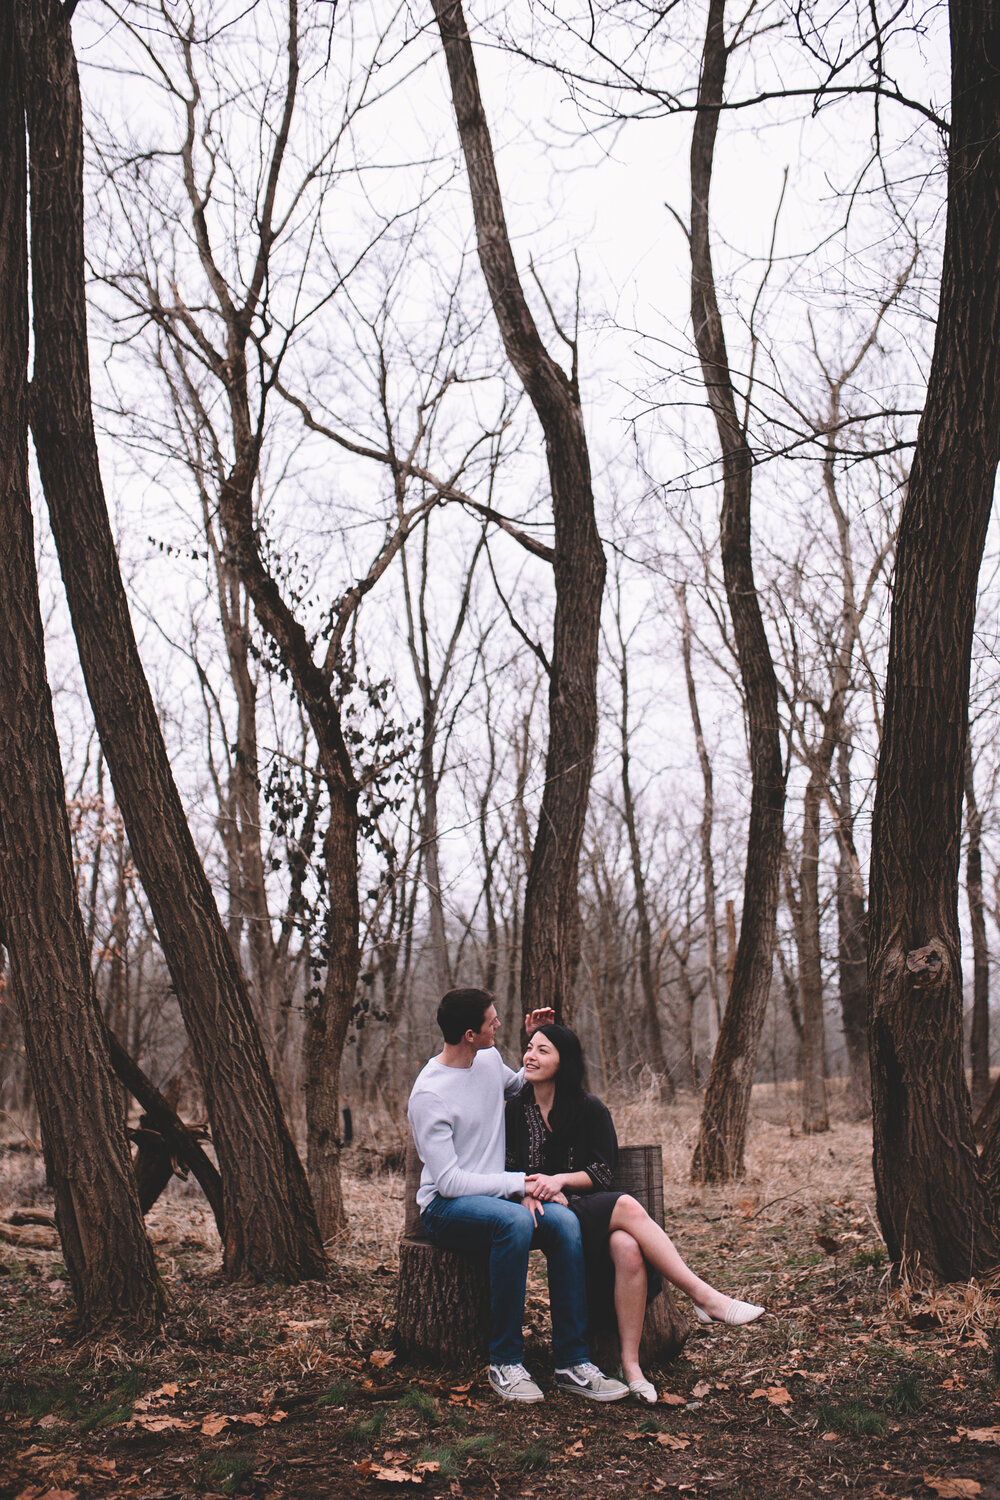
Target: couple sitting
561 1150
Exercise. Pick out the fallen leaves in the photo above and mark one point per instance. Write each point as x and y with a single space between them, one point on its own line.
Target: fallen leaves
776 1395
673 1440
212 1425
392 1474
161 1422
43 1492
952 1488
979 1434
382 1357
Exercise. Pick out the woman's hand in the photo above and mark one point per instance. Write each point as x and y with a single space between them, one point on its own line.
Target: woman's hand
546 1188
536 1018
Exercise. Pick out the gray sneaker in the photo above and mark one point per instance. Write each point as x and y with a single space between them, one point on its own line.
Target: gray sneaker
587 1380
513 1383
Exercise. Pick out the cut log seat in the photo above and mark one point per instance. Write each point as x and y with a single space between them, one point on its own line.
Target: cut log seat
443 1300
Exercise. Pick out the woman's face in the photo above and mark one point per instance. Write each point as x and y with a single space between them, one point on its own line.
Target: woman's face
541 1061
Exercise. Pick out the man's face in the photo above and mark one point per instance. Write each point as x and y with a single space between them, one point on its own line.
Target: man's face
486 1035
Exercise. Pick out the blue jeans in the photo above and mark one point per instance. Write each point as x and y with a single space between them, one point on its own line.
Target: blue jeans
504 1228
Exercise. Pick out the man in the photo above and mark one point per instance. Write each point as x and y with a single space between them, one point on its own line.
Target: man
468 1201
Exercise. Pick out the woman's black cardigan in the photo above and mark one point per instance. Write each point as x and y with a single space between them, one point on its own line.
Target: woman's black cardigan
592 1147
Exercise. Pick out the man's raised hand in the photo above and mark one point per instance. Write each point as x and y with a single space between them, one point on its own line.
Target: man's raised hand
542 1017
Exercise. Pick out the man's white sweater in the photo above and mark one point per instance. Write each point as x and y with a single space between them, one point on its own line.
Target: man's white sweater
456 1115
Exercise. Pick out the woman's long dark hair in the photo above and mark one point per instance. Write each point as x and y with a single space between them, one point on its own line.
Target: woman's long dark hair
570 1083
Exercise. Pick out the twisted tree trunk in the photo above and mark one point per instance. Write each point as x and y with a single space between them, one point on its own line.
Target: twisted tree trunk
718 1154
551 939
269 1217
108 1257
936 1205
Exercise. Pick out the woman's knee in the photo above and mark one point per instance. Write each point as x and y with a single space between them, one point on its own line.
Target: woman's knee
624 1251
629 1211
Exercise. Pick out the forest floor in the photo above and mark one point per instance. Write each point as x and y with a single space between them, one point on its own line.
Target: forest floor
274 1391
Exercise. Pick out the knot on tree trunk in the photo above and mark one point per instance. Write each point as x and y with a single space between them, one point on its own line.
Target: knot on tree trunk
924 965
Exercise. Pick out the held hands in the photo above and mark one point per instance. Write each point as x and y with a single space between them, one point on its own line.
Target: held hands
547 1189
535 1018
534 1207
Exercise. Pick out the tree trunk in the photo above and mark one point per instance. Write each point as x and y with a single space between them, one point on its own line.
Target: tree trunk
852 946
707 822
648 979
551 937
979 1039
185 1144
815 1116
719 1151
108 1257
270 1223
327 1021
934 1206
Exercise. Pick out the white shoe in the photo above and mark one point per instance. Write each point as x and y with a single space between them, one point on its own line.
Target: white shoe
736 1314
513 1383
587 1380
644 1389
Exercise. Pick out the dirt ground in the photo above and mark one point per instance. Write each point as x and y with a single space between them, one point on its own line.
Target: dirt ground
845 1386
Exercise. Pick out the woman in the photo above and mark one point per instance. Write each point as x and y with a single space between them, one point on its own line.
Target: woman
564 1138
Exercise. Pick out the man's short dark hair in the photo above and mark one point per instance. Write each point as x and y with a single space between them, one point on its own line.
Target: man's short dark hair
461 1011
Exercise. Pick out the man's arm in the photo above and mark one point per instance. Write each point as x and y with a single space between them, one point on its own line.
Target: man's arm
435 1142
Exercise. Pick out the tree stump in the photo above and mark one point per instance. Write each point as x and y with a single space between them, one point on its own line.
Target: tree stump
443 1299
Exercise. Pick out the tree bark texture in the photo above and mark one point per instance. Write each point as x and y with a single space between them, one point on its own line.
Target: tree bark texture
979 1038
934 1206
647 976
551 937
719 1150
270 1222
108 1257
707 821
815 1115
852 946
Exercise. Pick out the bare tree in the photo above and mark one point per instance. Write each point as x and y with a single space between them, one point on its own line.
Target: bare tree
936 1205
707 819
718 1154
979 1040
551 935
108 1257
648 977
270 1223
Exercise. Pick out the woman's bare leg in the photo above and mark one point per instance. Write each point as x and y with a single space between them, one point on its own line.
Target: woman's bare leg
658 1248
630 1299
